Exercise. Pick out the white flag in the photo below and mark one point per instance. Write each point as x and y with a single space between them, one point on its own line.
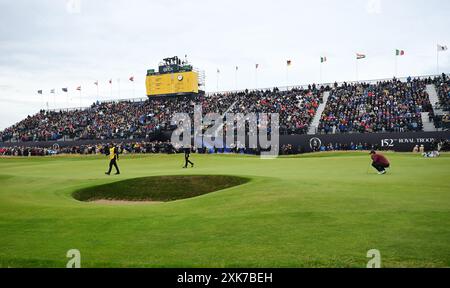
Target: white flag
442 48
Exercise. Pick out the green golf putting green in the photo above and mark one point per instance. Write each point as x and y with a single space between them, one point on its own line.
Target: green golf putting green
314 210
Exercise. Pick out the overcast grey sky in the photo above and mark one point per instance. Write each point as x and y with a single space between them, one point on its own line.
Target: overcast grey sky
46 44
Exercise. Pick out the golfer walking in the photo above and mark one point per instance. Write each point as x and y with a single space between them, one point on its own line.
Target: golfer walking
187 154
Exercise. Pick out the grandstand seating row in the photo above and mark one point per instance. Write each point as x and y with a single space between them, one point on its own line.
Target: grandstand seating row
385 106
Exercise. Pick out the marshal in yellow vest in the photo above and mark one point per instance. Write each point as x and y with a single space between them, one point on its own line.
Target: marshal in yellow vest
112 153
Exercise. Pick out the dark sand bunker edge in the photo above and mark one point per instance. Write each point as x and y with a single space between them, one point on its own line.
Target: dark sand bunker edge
193 186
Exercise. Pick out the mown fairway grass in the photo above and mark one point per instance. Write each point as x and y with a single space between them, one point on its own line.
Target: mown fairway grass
320 210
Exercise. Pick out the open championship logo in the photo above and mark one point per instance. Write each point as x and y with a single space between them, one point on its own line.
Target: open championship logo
315 143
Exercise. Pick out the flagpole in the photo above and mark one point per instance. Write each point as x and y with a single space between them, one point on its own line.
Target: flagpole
256 78
321 63
217 79
396 66
437 60
132 80
235 78
118 81
287 77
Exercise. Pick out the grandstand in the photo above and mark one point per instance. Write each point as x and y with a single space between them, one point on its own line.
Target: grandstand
120 120
404 105
390 106
297 105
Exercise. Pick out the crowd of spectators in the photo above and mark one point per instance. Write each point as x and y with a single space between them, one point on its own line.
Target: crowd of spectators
388 106
437 145
296 107
141 147
292 150
139 120
442 120
26 151
442 84
165 147
138 147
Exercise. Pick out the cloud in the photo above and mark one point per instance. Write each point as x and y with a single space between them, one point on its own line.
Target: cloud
73 6
374 7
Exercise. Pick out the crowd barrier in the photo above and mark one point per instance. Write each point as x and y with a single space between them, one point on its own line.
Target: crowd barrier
400 142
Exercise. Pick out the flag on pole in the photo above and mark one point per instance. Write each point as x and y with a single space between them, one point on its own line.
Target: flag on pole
289 62
132 78
79 88
360 56
65 90
96 83
441 48
399 52
52 91
323 59
39 92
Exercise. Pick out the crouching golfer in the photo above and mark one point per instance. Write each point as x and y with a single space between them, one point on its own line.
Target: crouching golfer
379 162
113 158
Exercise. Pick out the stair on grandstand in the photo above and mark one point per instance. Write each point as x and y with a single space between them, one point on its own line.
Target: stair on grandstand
316 120
428 126
434 99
